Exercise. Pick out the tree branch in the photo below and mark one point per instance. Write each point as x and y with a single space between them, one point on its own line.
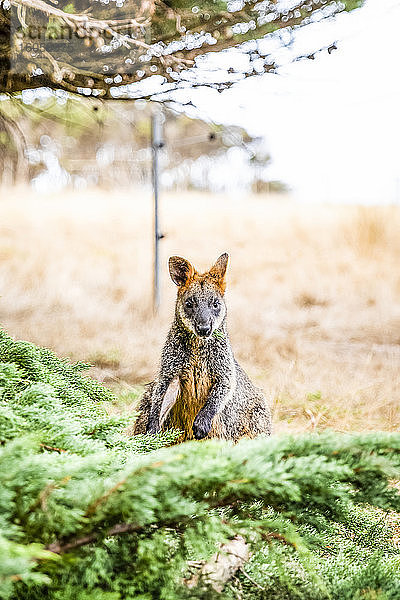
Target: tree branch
60 548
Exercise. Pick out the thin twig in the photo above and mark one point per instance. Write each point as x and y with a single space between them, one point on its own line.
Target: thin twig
52 448
59 548
92 508
260 587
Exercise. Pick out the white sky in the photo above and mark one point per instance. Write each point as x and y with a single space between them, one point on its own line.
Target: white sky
332 124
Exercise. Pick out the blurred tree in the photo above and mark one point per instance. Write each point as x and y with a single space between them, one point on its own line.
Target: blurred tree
92 142
91 47
12 149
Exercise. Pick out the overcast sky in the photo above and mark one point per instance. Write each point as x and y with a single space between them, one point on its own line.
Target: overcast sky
332 124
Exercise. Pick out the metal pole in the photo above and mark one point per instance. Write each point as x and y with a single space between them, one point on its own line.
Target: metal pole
156 143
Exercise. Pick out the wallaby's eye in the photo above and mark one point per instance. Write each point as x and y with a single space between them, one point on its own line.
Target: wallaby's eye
215 303
188 303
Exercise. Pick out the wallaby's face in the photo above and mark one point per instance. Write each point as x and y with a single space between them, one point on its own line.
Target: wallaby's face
200 303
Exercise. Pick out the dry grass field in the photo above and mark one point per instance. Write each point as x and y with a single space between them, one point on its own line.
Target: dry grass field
313 293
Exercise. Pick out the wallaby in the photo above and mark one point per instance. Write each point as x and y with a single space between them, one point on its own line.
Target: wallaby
201 389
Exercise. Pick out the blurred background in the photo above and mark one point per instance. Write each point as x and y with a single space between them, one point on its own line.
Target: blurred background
294 172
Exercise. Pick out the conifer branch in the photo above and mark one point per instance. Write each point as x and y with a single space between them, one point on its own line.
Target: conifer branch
93 507
87 47
61 548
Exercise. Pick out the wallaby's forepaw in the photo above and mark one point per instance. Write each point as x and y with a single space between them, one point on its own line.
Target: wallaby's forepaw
153 427
201 426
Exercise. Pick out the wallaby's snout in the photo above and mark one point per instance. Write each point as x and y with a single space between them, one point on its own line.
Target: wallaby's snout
204 330
202 309
200 305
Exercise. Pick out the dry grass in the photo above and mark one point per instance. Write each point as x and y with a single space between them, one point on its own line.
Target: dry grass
313 293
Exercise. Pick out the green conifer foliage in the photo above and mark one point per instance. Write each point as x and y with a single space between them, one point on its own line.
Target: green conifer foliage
89 513
43 394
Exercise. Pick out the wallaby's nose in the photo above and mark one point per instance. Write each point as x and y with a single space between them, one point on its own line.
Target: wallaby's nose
203 330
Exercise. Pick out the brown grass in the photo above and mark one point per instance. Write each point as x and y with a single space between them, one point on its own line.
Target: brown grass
313 293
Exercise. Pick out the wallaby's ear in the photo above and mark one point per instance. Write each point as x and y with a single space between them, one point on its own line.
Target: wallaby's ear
218 270
180 269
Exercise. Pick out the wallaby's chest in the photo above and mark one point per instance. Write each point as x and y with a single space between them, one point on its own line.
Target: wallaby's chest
194 386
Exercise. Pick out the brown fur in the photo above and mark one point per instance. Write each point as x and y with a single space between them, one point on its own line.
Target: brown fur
195 384
215 276
211 277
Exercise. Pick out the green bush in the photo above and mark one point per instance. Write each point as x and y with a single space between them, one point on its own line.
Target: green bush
48 396
88 513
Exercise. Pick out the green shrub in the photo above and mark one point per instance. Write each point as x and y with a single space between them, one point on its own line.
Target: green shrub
88 513
50 397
